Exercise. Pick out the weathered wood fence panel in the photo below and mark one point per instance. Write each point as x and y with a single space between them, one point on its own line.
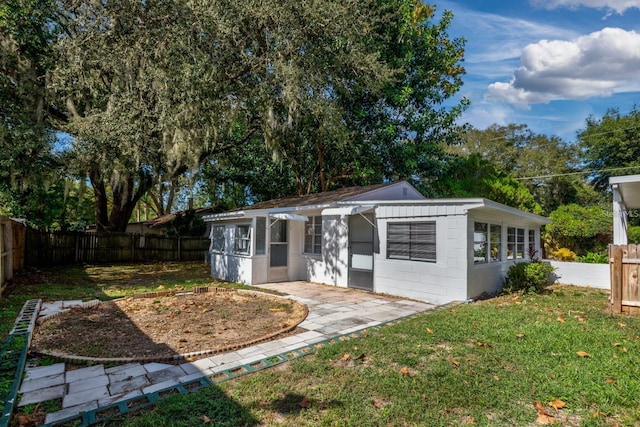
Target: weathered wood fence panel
624 261
45 249
11 244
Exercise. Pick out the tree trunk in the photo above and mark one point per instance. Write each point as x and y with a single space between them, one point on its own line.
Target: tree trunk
100 199
125 196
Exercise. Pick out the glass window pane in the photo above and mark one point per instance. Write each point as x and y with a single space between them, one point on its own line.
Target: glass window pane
261 235
495 239
480 240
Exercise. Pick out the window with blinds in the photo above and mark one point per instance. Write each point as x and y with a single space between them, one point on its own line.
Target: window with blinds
412 240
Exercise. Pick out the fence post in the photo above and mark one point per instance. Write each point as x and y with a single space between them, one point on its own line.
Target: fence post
616 279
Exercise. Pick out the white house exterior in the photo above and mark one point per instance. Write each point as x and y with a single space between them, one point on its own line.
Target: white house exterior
386 238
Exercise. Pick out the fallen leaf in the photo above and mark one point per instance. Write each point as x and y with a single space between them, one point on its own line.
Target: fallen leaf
430 330
610 380
519 335
405 371
470 421
518 302
540 409
544 416
583 353
624 349
205 419
376 404
557 404
545 419
617 344
497 378
345 357
304 403
622 325
561 319
483 344
455 362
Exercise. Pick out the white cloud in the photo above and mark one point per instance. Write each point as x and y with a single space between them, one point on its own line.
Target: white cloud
598 64
619 6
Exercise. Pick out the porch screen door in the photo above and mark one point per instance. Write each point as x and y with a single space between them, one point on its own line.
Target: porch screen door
278 251
361 241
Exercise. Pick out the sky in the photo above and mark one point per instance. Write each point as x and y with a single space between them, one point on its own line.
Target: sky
549 64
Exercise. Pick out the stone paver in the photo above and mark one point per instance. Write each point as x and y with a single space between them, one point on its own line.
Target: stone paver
332 312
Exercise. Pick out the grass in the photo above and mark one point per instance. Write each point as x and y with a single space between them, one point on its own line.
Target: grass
485 363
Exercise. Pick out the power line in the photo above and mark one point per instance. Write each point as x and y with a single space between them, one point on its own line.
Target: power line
577 173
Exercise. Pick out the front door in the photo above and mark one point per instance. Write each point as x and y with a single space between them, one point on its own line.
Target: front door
361 239
278 251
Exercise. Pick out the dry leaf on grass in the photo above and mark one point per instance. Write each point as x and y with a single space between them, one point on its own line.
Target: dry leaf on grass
430 330
405 371
205 419
583 353
455 362
345 357
304 403
557 404
544 416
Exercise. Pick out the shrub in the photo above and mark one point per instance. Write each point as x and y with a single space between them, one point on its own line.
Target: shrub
594 258
563 254
633 234
528 276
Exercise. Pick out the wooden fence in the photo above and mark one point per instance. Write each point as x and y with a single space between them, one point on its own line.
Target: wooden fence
46 249
624 262
11 250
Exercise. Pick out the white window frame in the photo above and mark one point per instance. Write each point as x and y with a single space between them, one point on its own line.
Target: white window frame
313 236
409 243
218 240
492 242
242 241
515 243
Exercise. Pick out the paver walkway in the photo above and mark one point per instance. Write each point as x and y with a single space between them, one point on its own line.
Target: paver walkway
332 312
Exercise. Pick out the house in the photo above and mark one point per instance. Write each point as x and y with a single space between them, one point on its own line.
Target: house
383 238
626 203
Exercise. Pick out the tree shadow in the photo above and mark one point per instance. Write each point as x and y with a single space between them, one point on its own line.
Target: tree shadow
294 404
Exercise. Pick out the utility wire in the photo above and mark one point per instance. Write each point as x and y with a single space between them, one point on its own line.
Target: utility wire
577 173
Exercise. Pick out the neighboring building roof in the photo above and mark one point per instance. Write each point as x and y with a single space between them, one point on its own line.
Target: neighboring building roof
165 220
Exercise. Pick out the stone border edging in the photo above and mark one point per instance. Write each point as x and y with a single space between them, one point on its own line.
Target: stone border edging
75 360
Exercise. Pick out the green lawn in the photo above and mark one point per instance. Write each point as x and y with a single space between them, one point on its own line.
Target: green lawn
484 363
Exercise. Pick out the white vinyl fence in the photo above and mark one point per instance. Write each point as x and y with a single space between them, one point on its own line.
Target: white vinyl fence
582 274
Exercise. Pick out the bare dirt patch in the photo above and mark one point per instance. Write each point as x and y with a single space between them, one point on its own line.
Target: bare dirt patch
165 326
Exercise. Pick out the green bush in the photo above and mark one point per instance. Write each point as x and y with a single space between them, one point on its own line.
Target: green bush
528 276
594 258
633 234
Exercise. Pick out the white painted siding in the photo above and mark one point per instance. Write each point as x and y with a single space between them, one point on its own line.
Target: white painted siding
332 267
439 282
232 268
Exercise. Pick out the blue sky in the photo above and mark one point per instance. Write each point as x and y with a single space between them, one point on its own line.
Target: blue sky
548 64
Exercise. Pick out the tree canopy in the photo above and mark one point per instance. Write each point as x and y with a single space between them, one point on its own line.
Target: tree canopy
611 146
331 88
